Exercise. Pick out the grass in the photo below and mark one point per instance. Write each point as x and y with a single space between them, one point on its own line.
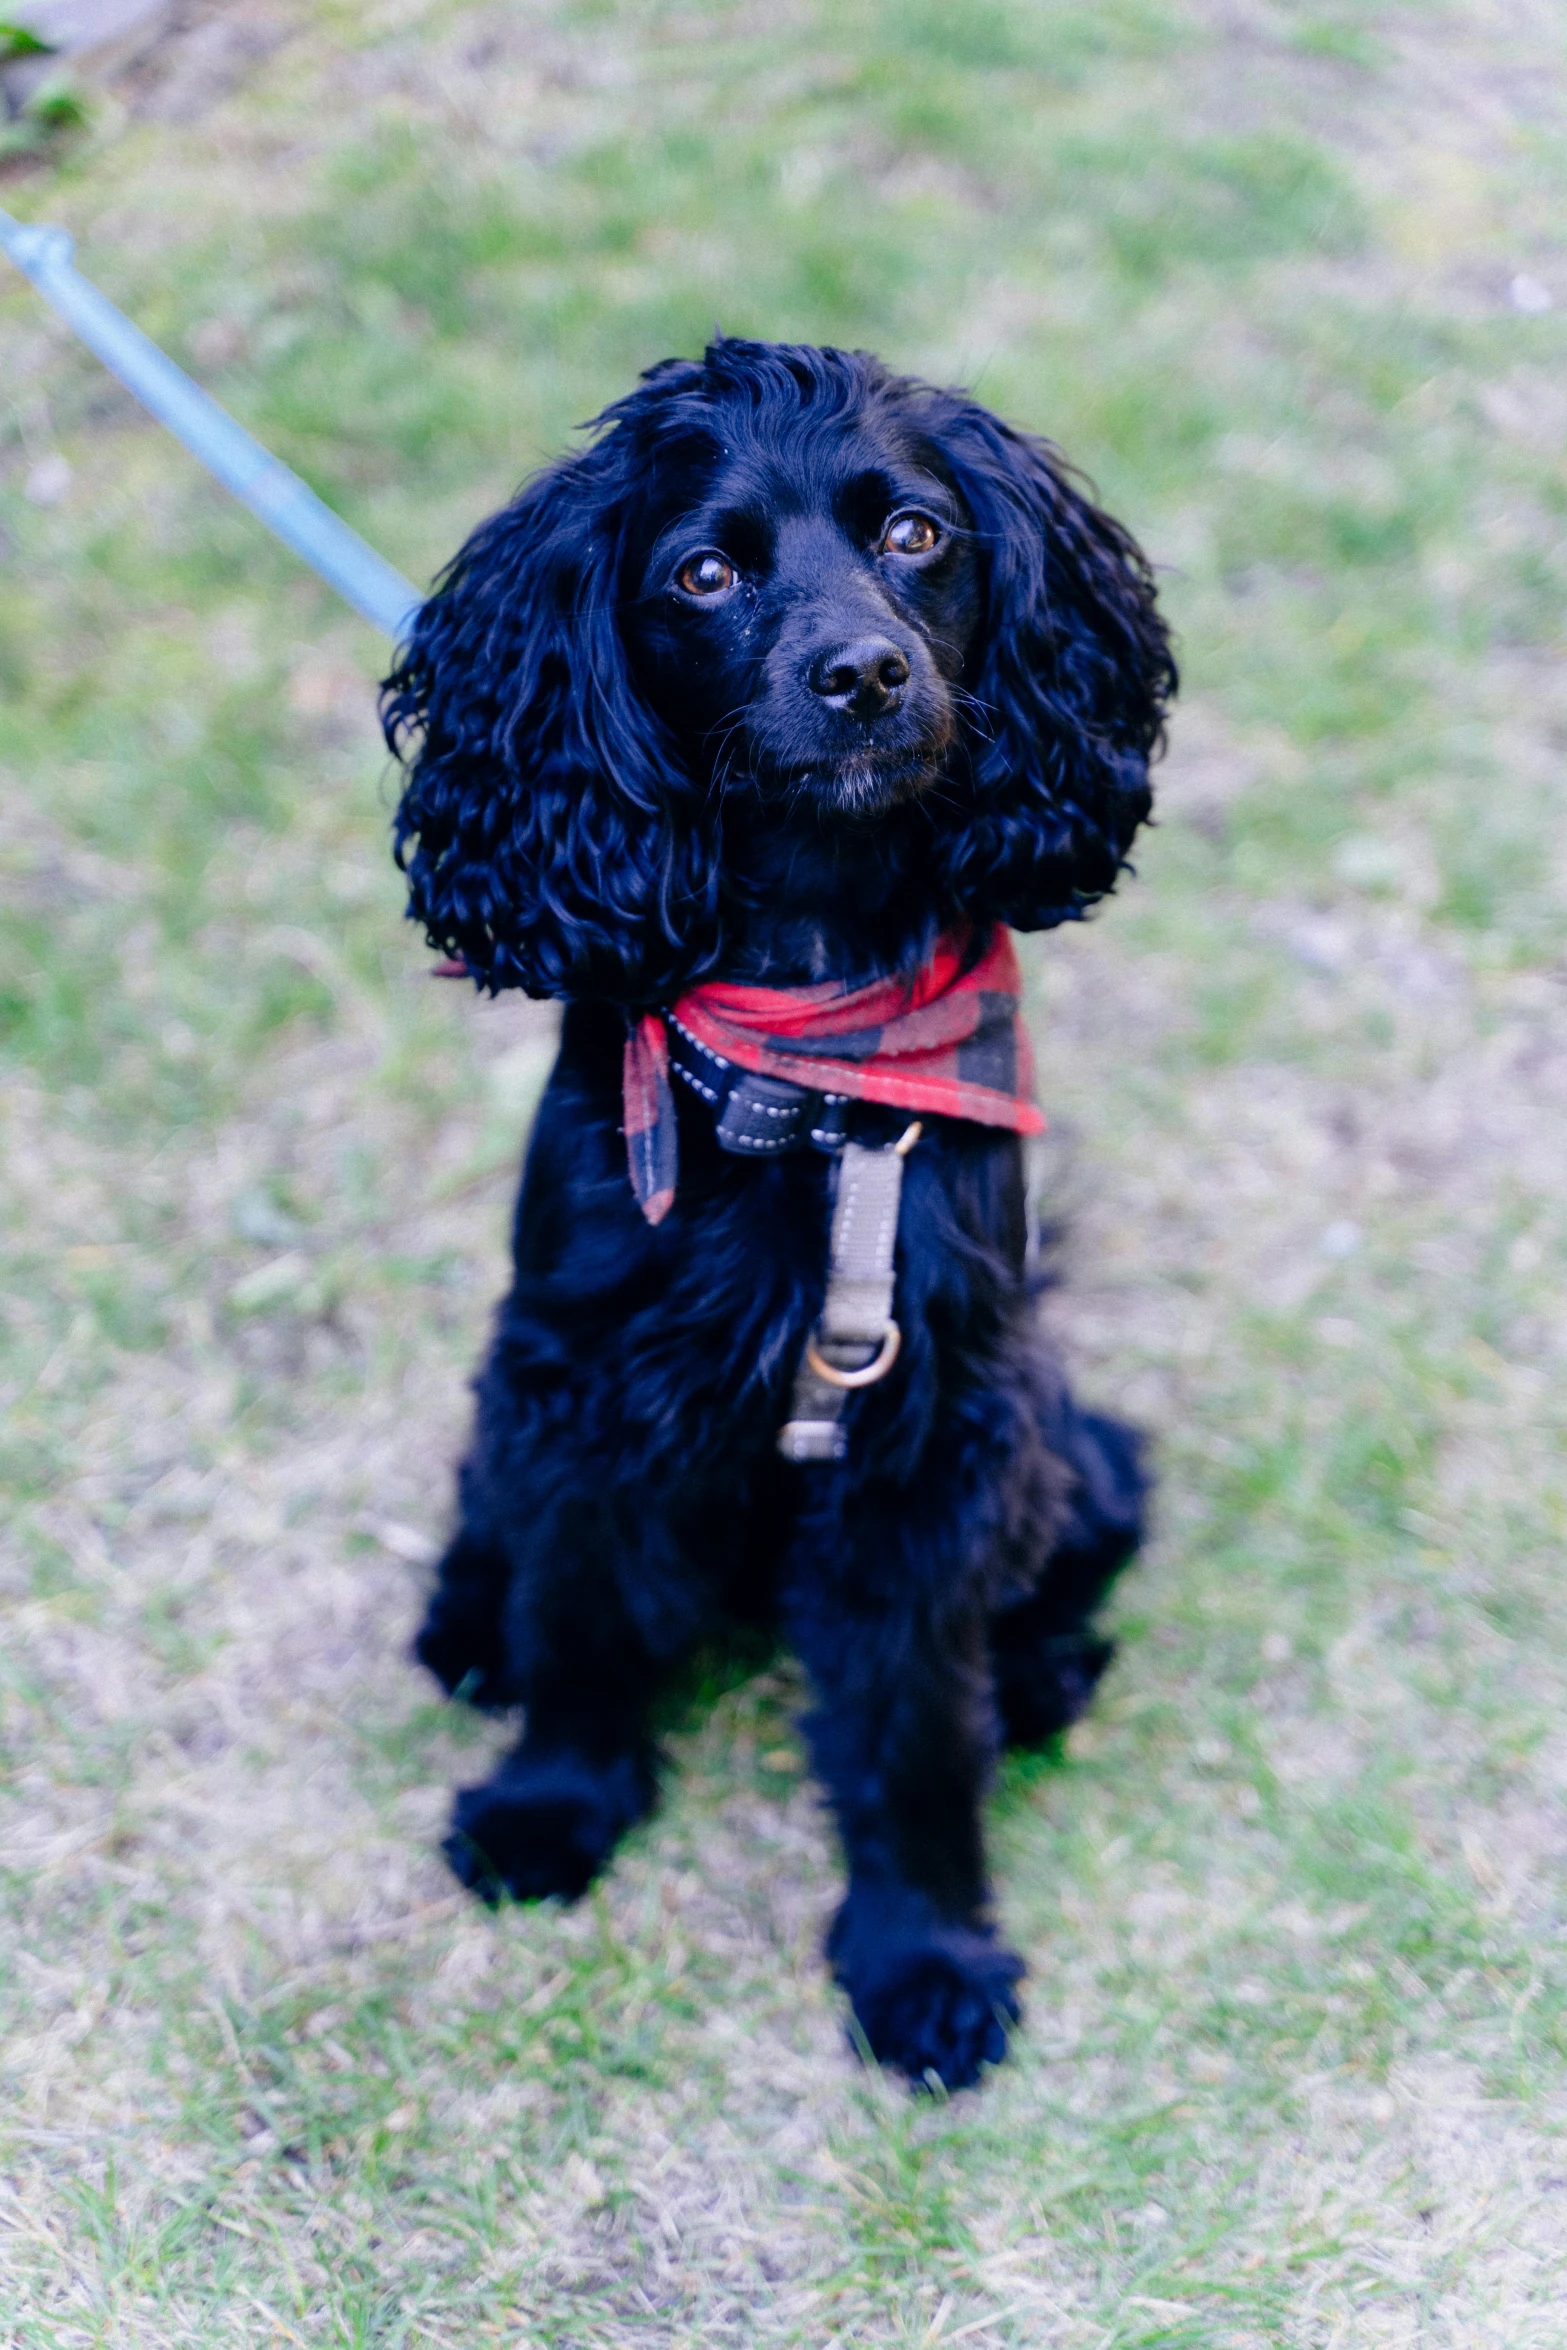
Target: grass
1293 2071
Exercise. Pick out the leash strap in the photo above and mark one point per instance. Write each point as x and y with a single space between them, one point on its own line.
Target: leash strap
856 1341
261 481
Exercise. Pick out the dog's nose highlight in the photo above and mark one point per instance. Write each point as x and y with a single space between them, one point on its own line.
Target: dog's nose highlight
864 678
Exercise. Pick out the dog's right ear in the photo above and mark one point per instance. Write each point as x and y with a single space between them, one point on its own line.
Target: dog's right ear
551 837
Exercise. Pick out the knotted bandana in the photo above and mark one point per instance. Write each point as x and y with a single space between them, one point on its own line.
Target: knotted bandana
951 1042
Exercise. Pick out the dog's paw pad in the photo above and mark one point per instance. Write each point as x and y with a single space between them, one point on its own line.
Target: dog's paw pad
940 2010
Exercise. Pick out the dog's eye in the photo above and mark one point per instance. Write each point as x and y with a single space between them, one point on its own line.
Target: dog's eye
708 574
910 534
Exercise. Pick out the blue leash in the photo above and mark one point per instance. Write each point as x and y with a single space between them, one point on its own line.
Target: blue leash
258 479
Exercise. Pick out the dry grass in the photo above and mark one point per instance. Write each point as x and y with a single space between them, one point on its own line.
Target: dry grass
1293 2068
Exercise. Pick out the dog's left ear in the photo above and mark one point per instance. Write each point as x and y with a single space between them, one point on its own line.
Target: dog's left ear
1070 689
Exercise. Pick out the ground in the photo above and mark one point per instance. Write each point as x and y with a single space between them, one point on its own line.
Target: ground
1289 281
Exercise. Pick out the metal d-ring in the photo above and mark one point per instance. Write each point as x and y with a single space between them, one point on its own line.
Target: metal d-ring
892 1340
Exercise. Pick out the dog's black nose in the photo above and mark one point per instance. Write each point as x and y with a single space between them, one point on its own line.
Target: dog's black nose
864 678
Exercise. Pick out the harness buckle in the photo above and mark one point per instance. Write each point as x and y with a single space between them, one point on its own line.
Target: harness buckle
856 1319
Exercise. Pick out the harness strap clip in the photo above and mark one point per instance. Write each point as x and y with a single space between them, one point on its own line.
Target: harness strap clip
856 1341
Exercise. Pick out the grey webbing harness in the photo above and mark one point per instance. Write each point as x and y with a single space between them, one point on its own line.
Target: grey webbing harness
856 1341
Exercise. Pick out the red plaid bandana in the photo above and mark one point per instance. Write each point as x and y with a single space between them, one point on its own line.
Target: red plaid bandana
953 1043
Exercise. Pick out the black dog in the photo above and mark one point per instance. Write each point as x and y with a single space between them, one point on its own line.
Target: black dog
799 667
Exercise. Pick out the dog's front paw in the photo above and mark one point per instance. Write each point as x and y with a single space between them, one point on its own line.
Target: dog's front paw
935 2004
544 1825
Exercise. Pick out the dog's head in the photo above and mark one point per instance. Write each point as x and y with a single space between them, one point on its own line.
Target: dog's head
781 579
805 589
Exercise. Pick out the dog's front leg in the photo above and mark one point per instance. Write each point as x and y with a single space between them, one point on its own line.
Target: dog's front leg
904 1737
553 1811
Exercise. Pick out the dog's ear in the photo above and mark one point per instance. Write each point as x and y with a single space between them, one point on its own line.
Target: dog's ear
1072 673
551 837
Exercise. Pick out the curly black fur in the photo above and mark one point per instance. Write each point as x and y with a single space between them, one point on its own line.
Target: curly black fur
623 778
